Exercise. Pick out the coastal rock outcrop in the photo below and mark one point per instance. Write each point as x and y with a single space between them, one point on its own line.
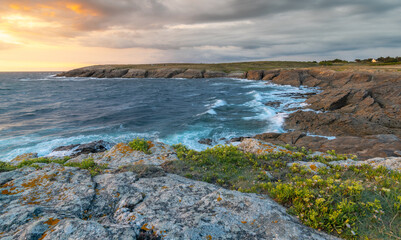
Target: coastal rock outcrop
255 75
58 202
75 150
164 73
364 147
191 73
136 73
214 74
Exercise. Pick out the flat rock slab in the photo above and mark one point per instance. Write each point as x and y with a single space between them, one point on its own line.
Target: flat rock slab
122 155
67 203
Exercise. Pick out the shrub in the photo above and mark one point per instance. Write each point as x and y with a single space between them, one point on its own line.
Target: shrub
358 202
140 144
5 167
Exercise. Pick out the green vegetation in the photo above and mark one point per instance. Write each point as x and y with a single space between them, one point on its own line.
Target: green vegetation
332 62
381 60
88 164
353 203
5 167
225 67
140 144
35 161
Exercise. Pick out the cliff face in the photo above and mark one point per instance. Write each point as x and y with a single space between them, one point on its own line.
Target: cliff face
358 107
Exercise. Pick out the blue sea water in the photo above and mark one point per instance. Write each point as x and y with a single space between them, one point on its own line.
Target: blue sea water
39 112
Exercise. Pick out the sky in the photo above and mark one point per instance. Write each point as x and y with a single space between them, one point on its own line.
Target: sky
39 35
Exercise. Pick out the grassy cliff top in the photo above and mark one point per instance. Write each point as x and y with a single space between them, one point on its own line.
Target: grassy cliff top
261 65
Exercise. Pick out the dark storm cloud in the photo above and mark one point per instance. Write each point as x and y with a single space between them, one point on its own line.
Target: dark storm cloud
227 30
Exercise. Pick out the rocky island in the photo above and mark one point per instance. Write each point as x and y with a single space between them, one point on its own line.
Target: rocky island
292 185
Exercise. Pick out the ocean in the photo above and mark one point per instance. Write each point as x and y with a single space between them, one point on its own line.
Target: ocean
39 112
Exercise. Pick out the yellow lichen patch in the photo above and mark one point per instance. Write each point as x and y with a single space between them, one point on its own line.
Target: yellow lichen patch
11 191
118 149
31 200
144 227
313 167
243 222
52 221
164 187
209 237
132 218
9 184
219 198
43 236
38 181
139 162
151 144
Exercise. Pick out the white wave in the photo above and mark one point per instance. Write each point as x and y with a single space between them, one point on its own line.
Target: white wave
46 147
327 137
212 112
264 114
219 103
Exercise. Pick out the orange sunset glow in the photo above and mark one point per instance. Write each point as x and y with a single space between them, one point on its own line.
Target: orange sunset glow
56 35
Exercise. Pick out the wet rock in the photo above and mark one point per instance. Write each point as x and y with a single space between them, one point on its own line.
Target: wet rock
267 136
191 73
100 73
238 139
214 74
329 100
75 150
291 137
116 73
273 104
363 147
288 77
269 75
136 73
255 74
336 124
206 141
164 73
238 74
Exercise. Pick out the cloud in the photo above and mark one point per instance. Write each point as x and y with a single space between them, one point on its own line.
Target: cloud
209 30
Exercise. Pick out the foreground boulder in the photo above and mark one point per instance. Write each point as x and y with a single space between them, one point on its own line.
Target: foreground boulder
60 202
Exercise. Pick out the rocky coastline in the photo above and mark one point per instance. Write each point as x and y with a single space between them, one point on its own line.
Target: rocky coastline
150 190
360 108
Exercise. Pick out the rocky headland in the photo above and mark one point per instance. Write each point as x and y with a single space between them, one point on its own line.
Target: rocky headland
361 108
